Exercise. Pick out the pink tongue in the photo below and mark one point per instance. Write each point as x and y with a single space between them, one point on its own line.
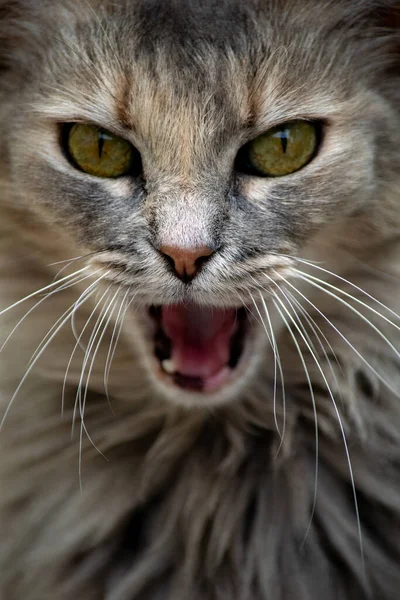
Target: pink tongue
200 338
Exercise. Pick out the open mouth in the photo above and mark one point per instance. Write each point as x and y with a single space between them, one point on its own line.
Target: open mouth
199 348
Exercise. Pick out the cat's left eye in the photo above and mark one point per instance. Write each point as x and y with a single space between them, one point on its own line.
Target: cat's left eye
280 151
100 153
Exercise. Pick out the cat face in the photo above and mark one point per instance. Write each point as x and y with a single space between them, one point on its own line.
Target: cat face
231 142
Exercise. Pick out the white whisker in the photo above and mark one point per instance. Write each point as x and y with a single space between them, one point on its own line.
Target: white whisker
82 401
71 260
37 292
71 308
87 351
344 338
31 366
57 275
357 312
314 405
112 348
316 330
46 297
285 294
313 325
110 305
78 344
268 333
364 292
339 421
277 361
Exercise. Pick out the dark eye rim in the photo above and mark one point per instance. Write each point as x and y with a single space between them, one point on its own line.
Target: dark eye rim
136 170
243 167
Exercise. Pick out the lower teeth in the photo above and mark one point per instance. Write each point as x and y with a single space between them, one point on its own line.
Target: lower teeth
168 366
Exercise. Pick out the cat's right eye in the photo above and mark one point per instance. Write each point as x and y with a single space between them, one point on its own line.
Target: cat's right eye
98 152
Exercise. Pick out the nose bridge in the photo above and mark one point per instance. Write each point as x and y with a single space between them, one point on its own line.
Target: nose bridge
187 219
177 134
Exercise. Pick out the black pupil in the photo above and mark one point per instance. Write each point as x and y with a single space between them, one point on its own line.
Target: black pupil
284 137
103 136
101 143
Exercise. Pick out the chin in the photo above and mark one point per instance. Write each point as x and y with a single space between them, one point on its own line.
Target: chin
202 356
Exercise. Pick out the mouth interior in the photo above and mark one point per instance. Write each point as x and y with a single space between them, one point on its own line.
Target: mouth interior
197 346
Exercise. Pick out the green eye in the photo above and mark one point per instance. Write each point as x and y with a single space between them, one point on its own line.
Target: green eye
282 150
98 152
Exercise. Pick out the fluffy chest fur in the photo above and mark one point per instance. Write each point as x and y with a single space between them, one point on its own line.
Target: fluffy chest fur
199 371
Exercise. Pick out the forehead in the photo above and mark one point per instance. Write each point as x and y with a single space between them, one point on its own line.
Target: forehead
198 72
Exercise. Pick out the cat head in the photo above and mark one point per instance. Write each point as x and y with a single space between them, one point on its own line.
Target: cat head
191 149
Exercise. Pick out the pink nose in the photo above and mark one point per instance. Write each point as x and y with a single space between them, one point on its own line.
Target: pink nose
186 262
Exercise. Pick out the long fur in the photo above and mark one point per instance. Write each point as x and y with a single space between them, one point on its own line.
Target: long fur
114 486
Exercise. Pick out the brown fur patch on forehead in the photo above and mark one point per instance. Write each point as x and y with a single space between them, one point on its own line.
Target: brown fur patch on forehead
184 124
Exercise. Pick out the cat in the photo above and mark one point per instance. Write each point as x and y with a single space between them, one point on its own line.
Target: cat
199 266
